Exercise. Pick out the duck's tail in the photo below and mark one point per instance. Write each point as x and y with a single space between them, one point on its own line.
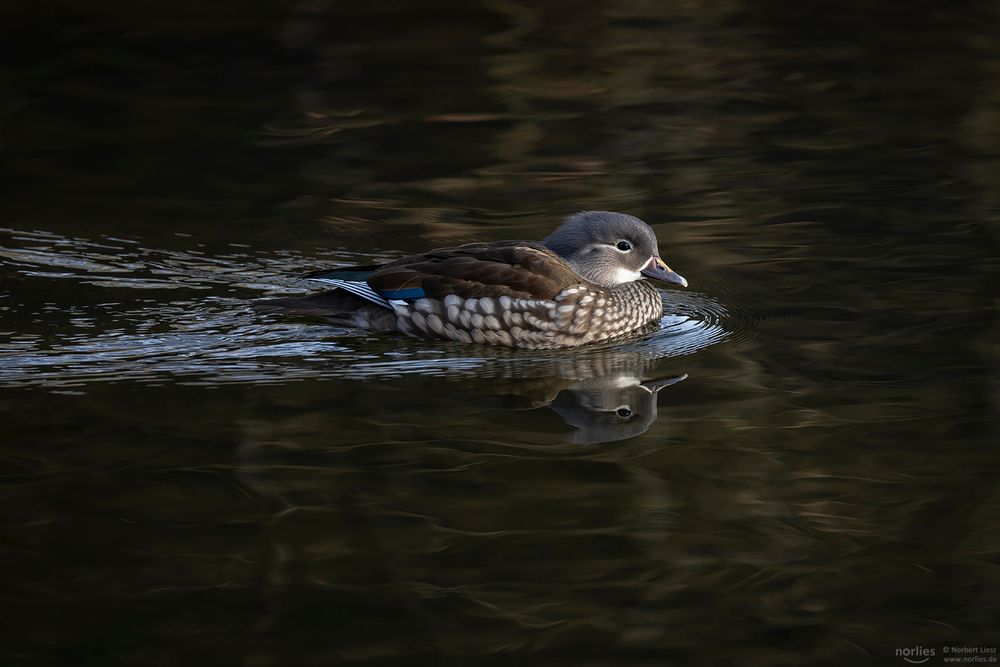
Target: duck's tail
352 304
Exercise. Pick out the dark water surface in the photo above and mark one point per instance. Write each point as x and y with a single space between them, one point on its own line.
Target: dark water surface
810 472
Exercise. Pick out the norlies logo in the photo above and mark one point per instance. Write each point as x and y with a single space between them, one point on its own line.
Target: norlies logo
916 655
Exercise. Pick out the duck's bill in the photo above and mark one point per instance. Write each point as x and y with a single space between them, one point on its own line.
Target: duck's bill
657 269
654 386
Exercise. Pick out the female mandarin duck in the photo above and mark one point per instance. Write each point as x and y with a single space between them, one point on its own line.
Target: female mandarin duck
582 284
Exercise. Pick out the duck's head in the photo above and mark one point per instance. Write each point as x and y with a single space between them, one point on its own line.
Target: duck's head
610 248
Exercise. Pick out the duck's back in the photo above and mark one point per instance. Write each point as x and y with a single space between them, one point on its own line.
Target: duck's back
516 269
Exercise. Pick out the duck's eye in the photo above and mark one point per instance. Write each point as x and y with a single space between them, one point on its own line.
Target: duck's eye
623 412
624 246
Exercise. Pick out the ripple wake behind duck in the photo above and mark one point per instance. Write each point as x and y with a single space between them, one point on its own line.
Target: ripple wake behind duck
198 328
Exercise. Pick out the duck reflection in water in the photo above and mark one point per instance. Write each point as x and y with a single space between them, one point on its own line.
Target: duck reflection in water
611 408
606 394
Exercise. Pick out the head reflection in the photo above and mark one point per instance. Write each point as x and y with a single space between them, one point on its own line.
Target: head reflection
610 408
605 394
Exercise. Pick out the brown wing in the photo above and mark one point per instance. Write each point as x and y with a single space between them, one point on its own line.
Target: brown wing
518 269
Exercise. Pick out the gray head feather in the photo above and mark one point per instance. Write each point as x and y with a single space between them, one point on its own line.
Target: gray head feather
592 243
